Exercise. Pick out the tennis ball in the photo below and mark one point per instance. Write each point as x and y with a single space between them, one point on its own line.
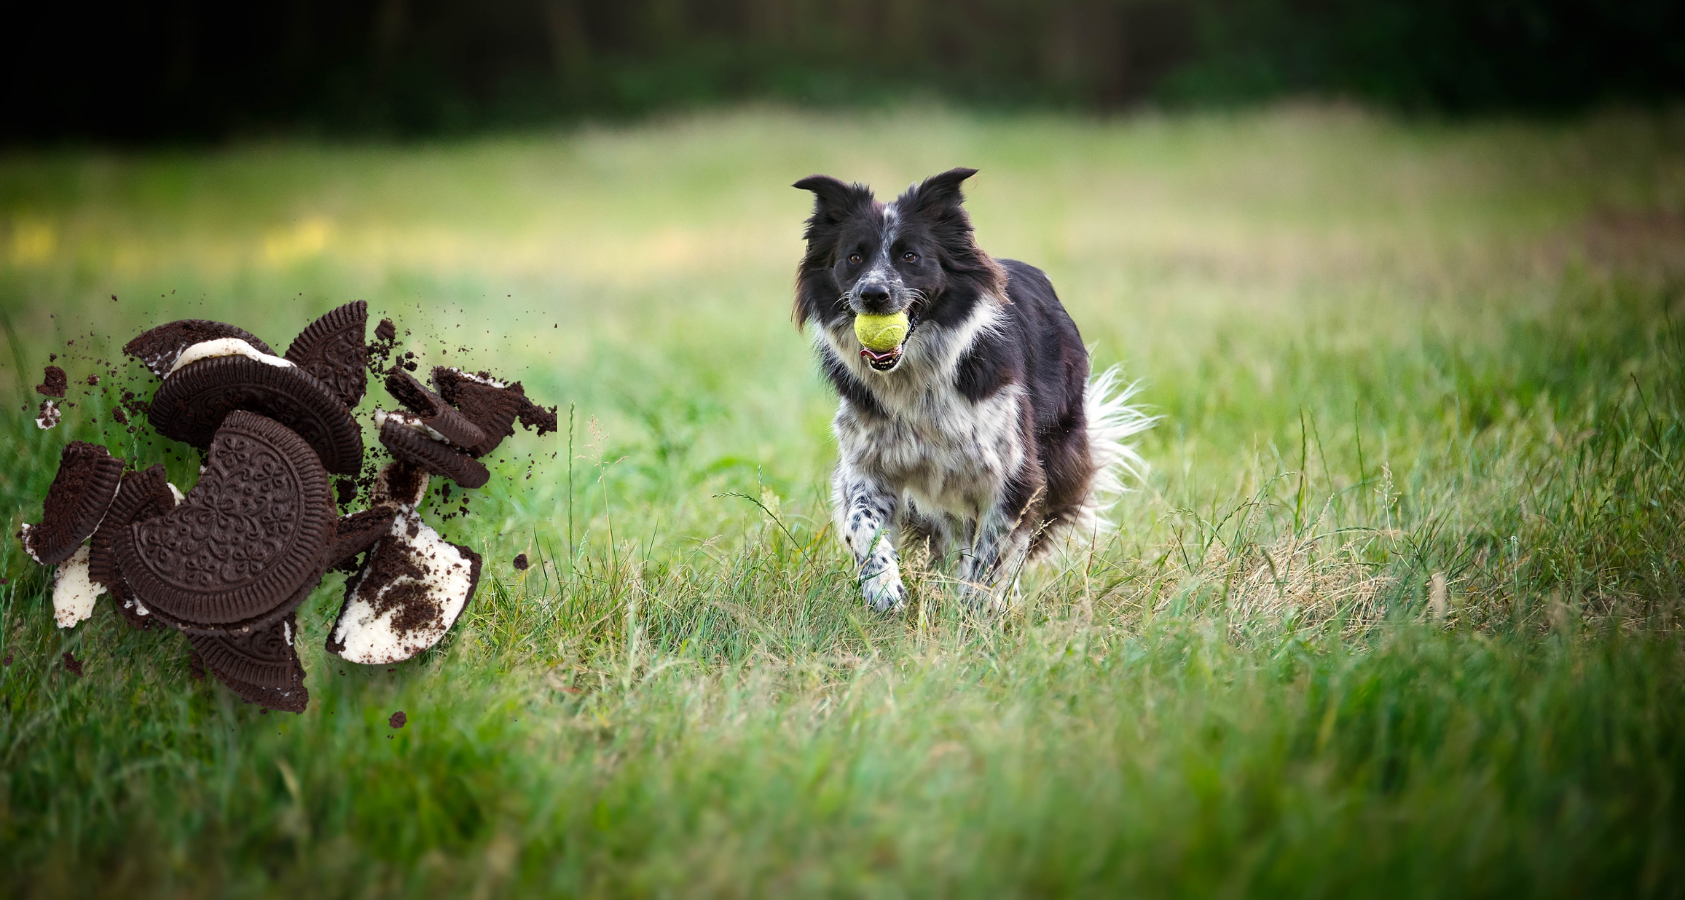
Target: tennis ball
881 333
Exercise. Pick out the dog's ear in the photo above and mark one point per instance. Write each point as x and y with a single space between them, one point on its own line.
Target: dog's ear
833 200
940 192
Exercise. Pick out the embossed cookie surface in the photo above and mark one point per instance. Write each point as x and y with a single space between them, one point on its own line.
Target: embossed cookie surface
158 348
247 543
83 489
192 402
335 350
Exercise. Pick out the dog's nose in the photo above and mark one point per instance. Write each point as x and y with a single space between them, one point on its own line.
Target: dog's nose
874 298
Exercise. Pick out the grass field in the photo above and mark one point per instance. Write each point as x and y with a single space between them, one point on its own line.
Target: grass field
1397 611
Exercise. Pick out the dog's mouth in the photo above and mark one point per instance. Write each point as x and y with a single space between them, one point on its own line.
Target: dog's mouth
882 361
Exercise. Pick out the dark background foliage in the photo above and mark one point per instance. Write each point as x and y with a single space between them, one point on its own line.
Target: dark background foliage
195 69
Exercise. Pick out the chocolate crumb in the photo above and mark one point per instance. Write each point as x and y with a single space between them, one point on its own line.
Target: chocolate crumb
346 489
8 660
521 562
398 719
53 382
93 380
73 665
386 331
118 414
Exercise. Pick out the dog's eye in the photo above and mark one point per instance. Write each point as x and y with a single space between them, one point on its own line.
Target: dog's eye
854 259
910 256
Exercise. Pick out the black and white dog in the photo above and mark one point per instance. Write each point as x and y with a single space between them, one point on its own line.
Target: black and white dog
981 433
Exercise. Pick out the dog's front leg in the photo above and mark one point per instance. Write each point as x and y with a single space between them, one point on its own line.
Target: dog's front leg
996 551
864 509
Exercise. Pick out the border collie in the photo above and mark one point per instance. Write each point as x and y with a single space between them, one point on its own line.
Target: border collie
982 432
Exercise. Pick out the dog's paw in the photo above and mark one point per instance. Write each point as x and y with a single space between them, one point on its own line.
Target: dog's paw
884 591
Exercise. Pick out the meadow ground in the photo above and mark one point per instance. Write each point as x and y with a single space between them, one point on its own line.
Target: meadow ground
1396 611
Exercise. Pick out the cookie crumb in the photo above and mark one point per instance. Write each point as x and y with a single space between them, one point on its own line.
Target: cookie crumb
398 719
72 665
521 563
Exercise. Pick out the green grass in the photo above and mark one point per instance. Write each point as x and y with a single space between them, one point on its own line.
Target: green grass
1387 356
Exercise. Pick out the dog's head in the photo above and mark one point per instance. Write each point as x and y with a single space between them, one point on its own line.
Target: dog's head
916 255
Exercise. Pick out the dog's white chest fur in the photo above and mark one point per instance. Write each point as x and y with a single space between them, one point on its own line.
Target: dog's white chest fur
940 450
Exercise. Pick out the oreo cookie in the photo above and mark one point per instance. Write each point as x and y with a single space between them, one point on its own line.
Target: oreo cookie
335 350
247 545
158 348
409 592
261 666
412 446
436 417
487 403
192 402
399 483
357 533
83 489
143 495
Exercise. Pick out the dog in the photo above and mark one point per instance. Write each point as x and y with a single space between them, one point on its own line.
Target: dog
981 433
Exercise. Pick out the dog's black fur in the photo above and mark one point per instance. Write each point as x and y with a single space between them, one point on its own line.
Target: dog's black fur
975 436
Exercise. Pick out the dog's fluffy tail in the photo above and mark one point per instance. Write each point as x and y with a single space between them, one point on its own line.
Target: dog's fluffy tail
1113 421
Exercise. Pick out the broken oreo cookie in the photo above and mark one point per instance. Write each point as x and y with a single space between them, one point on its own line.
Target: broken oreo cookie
158 348
193 400
261 666
143 495
247 545
412 446
334 349
409 592
83 489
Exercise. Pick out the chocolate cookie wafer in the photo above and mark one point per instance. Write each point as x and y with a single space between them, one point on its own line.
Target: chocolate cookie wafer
486 402
412 446
158 348
434 416
335 350
143 495
261 666
192 402
357 533
83 489
247 544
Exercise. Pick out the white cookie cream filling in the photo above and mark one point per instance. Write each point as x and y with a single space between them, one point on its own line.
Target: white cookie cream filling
73 590
224 347
26 536
176 492
472 377
363 635
49 416
411 422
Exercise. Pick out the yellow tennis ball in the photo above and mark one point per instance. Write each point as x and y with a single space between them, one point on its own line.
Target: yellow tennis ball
881 333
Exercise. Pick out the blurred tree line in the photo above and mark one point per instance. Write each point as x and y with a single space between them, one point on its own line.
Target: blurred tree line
190 69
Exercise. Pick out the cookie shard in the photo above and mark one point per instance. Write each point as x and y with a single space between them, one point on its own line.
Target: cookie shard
262 666
410 591
335 349
145 494
432 413
193 401
399 483
413 447
158 348
247 544
357 533
81 492
74 592
488 403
